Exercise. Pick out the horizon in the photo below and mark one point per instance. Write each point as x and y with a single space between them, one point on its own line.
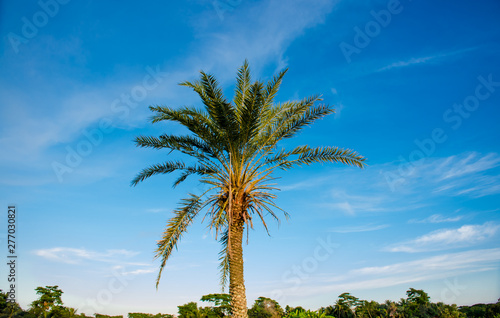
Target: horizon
416 88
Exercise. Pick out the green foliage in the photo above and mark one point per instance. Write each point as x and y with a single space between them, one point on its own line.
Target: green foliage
302 313
9 309
142 315
475 311
328 311
222 304
369 309
447 311
345 306
416 305
49 304
218 299
482 310
417 296
64 312
211 312
3 300
265 308
289 309
189 310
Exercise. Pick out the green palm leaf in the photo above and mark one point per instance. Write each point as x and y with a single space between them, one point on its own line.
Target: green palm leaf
177 225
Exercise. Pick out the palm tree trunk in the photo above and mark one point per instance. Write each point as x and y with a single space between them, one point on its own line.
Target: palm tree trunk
236 279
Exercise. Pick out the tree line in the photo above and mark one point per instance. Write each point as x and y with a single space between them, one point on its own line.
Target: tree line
417 304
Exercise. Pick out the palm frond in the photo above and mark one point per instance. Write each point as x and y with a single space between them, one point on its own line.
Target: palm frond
251 113
243 80
198 87
326 154
272 88
186 144
296 118
219 109
169 167
177 225
224 260
198 122
202 171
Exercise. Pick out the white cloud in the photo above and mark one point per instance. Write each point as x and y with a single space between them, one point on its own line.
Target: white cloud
468 165
411 61
424 59
354 204
57 115
361 228
474 260
274 25
301 185
140 271
157 210
451 176
437 218
77 255
448 238
338 109
369 191
440 267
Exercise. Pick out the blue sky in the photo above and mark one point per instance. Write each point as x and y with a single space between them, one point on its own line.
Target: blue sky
416 86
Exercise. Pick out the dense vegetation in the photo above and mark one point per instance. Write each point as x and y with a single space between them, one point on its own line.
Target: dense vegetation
417 304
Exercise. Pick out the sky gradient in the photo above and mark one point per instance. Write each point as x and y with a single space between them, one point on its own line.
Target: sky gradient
416 87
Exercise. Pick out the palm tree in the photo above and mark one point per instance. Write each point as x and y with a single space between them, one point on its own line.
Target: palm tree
235 152
391 308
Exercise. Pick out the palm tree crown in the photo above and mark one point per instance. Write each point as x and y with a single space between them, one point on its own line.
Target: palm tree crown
235 150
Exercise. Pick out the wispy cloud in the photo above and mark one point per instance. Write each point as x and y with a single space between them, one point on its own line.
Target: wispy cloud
157 210
437 218
72 105
466 235
424 59
468 174
140 271
457 167
356 193
401 273
361 228
409 62
305 184
274 26
354 204
77 255
453 261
